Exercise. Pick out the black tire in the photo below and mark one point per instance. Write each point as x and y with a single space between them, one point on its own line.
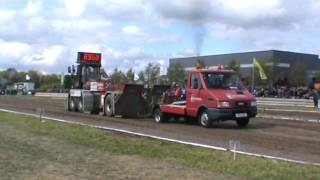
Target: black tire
204 119
80 105
159 116
243 122
108 109
72 104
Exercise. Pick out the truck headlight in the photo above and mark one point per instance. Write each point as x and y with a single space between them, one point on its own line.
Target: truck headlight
253 103
224 104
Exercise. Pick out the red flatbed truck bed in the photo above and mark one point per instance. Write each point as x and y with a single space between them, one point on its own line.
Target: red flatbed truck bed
180 110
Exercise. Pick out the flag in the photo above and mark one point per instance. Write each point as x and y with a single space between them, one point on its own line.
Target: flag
256 63
28 78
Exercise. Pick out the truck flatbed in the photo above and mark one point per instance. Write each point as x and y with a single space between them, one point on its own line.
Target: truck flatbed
178 108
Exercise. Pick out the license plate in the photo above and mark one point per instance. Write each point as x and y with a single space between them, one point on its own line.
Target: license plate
241 115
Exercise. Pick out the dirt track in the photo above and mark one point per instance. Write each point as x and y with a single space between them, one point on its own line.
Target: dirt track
288 139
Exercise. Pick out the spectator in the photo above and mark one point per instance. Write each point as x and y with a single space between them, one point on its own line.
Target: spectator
315 96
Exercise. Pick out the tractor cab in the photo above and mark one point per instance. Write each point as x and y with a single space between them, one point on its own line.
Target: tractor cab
87 73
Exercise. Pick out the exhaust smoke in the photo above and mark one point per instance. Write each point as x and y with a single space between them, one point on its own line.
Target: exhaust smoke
199 35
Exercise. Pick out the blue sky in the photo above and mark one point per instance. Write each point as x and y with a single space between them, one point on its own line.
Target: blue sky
45 35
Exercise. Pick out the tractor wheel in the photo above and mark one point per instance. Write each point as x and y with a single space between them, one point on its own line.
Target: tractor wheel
72 104
243 122
204 119
108 109
159 116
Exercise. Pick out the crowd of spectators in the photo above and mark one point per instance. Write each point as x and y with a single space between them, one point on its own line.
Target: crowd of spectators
284 92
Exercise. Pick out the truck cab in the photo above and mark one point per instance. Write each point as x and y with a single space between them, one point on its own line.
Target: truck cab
212 95
84 95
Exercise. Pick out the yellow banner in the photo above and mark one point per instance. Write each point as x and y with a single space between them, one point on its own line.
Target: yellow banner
256 63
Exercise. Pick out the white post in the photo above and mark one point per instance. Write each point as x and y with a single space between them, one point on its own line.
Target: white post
234 151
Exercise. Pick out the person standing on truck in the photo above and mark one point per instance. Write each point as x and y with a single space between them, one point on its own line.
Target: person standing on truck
315 97
177 92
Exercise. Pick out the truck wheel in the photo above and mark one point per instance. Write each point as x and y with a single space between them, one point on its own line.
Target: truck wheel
80 105
72 104
243 122
204 119
108 110
159 116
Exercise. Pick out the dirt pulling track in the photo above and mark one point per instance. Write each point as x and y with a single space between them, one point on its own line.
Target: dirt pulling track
295 140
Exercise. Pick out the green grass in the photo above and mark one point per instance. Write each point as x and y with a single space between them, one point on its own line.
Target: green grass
188 156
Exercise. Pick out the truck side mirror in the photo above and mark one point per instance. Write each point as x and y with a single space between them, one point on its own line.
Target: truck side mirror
73 69
69 69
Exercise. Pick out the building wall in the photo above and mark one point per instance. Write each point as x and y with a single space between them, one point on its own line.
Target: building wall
286 60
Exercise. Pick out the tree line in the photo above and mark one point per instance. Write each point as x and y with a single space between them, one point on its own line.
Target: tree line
10 76
151 75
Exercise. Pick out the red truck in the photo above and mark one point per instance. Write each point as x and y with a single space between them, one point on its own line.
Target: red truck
211 95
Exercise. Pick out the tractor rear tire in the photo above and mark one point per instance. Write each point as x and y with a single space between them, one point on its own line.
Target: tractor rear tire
108 109
159 116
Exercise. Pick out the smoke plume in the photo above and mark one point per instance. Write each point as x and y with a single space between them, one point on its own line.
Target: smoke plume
199 35
193 13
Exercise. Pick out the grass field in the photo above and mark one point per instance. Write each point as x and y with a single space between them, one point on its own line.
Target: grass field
30 149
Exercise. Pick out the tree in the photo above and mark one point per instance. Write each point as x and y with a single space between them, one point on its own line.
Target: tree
152 73
11 76
22 76
51 81
233 65
67 81
3 81
35 77
130 75
298 74
142 77
176 73
317 74
118 76
272 73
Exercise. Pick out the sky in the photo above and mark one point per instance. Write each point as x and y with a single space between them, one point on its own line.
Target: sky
46 35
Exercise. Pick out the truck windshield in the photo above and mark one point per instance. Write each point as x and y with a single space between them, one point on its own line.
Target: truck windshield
90 73
222 80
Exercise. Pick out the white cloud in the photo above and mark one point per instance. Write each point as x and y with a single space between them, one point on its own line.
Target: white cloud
79 24
6 16
13 49
135 35
131 33
47 57
250 9
118 10
90 48
131 30
135 58
249 24
33 7
75 8
36 22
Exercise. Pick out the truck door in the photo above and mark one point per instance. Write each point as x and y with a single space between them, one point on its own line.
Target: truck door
194 98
